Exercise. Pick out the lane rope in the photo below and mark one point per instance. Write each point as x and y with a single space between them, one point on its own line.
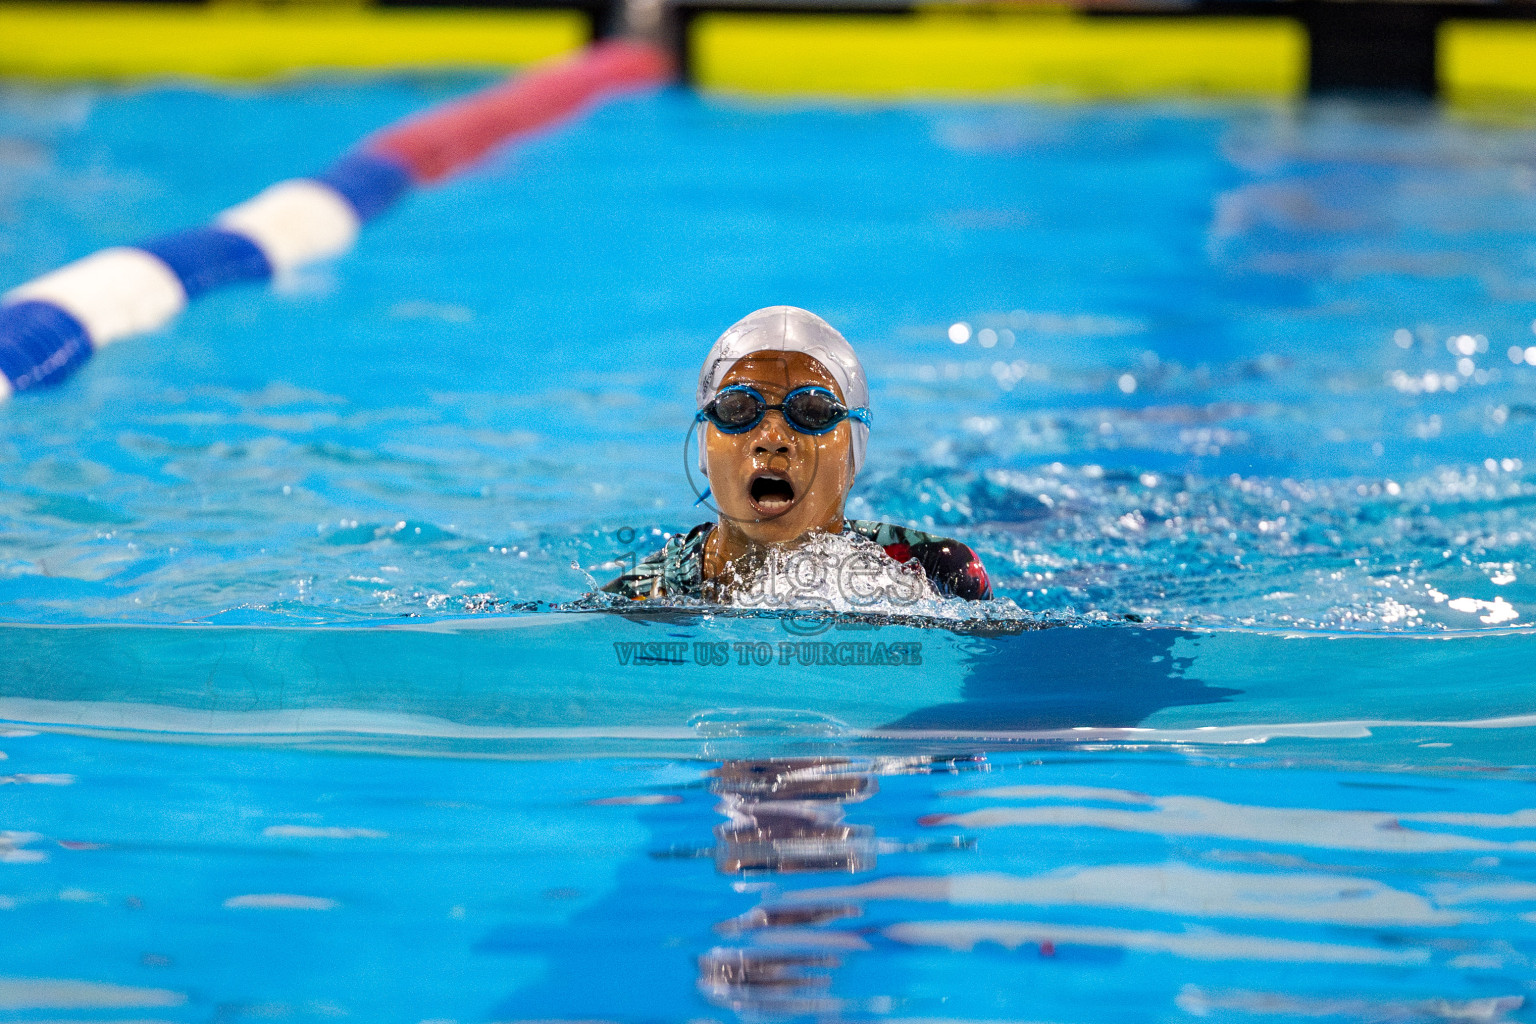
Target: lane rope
52 324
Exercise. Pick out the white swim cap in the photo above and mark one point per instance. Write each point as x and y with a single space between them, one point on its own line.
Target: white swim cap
789 329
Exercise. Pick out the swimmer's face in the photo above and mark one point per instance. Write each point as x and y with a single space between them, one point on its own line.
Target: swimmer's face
772 482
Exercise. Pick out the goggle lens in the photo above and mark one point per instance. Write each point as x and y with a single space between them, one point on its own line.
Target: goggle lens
737 410
813 411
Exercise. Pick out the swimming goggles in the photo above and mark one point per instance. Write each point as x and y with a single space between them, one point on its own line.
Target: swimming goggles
737 408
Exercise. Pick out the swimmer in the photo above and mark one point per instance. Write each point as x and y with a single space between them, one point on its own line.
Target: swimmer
782 425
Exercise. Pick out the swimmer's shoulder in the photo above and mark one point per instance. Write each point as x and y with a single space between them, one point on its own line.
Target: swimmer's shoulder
676 569
952 567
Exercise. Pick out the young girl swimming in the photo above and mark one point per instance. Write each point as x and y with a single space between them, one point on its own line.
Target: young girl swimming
783 422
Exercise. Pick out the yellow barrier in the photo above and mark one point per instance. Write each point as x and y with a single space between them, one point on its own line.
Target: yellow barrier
981 52
965 54
112 41
1488 61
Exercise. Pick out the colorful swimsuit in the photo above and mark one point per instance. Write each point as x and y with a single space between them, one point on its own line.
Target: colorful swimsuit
677 570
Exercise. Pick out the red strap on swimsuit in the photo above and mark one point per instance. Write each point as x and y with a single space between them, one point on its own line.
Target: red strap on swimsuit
952 567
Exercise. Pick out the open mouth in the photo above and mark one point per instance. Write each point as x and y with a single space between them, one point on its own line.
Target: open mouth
771 494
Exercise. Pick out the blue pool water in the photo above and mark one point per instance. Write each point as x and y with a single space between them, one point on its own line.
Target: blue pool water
304 719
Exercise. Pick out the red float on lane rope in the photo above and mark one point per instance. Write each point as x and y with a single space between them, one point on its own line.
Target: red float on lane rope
439 142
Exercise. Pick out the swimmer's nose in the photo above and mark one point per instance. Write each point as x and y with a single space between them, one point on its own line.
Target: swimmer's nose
773 435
